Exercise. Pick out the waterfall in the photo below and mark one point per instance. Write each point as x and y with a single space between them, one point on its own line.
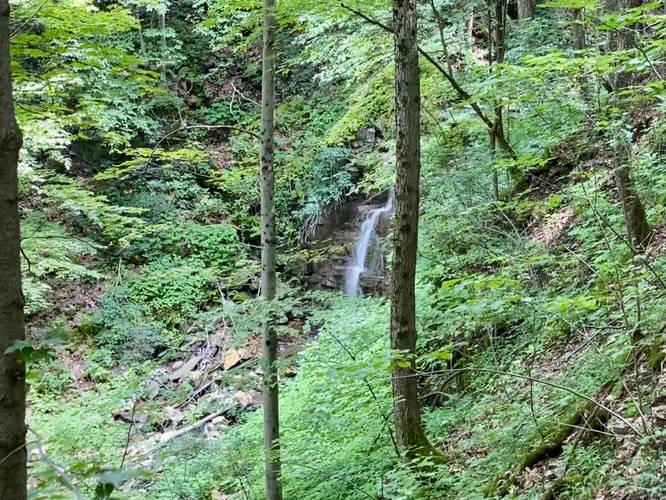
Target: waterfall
357 264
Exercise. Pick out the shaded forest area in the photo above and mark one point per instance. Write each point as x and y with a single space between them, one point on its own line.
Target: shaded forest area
430 233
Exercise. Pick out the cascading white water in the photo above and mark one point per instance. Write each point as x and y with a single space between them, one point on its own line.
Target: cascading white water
357 265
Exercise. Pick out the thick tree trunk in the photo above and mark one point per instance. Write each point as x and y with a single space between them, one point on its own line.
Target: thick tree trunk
12 372
638 229
525 9
268 277
409 432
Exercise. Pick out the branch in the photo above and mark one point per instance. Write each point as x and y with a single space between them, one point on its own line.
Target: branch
464 95
129 433
596 403
372 393
194 127
185 430
30 18
58 470
338 476
633 42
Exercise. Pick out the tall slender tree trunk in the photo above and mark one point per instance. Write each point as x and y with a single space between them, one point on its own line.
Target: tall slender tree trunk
622 39
525 9
142 42
163 44
498 36
409 431
268 277
440 27
12 372
470 28
579 39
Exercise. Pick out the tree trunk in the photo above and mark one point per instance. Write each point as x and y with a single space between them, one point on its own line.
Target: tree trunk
525 9
142 42
638 229
268 277
409 432
498 41
163 44
470 28
578 29
622 39
12 372
440 27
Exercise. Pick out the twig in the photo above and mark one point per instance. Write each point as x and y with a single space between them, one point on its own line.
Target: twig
301 464
532 411
27 260
62 237
633 41
129 432
185 430
28 19
372 392
16 450
581 428
454 371
606 357
236 91
464 95
195 127
58 470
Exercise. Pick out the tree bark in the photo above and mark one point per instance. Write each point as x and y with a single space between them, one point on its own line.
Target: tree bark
497 39
638 229
578 29
12 372
268 275
525 9
142 42
411 439
163 44
464 95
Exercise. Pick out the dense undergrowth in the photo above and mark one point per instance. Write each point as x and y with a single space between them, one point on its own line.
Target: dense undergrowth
140 234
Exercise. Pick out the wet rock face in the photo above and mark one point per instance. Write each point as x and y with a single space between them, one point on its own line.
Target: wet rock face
338 230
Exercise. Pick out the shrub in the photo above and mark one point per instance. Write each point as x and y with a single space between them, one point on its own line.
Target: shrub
127 332
214 245
172 287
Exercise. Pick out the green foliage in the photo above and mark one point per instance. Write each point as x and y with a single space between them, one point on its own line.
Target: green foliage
350 454
172 287
80 436
331 180
538 284
126 329
215 245
79 57
142 159
53 380
370 104
53 255
116 224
